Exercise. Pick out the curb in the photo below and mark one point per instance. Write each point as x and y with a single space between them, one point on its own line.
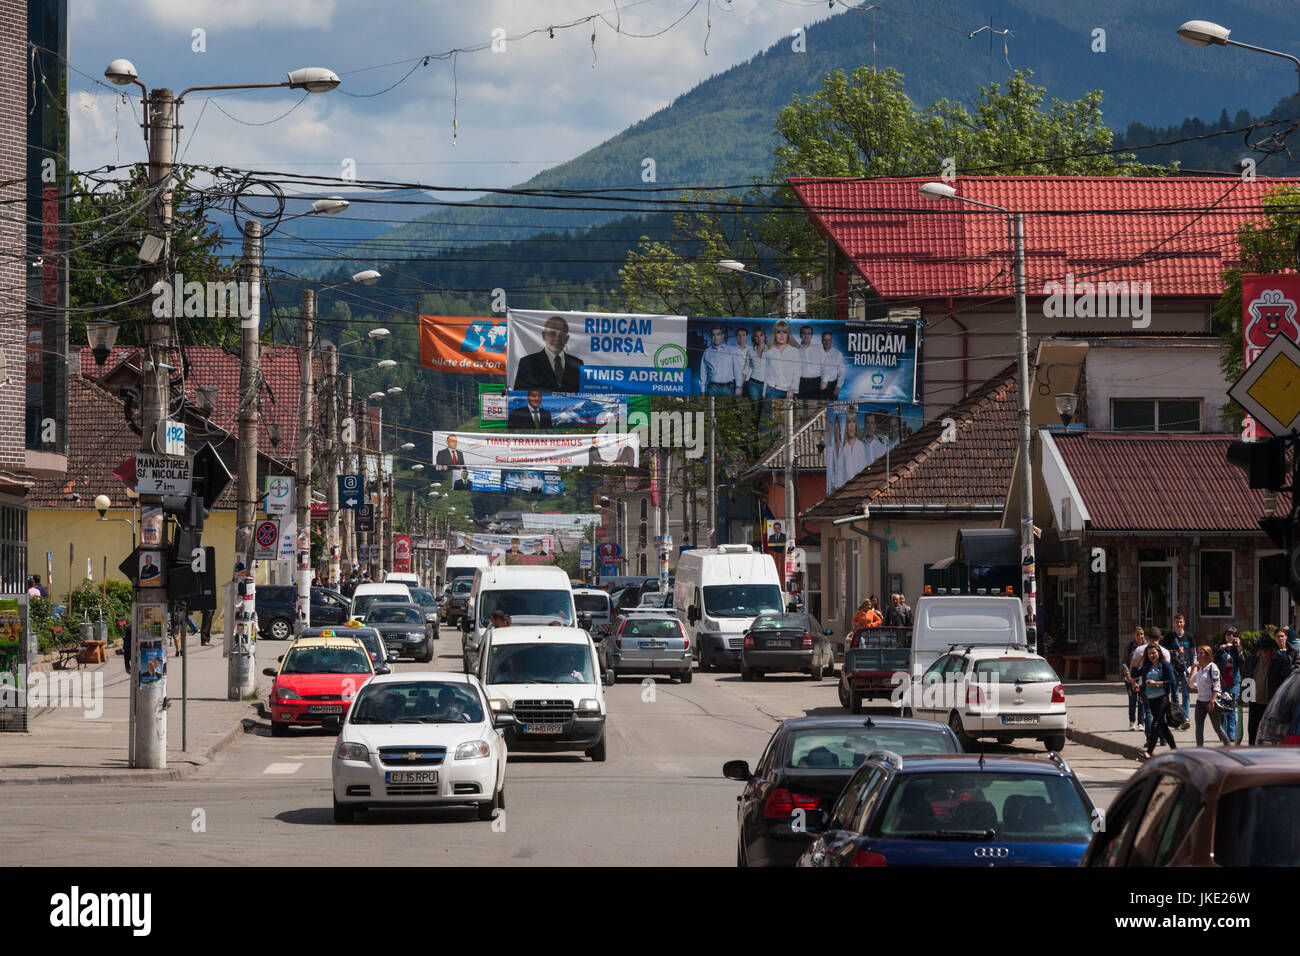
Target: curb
245 725
1098 742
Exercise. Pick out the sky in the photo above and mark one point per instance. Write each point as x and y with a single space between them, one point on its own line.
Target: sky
531 104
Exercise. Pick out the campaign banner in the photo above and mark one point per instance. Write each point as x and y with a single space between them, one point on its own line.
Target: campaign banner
493 406
534 410
456 343
402 553
463 450
516 482
600 353
512 545
858 435
804 358
1268 309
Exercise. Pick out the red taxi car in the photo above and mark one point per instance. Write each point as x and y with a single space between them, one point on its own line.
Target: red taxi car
317 678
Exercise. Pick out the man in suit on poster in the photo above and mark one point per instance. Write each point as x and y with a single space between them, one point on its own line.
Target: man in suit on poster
450 455
532 417
552 369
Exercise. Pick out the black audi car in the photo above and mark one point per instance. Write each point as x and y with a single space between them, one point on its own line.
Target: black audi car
403 628
789 795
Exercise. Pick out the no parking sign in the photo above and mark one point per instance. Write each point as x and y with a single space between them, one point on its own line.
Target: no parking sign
266 537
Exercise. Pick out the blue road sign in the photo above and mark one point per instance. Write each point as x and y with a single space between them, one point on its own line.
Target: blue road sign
351 491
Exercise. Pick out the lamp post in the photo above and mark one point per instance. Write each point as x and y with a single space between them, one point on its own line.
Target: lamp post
1066 403
1206 33
731 265
149 606
1016 232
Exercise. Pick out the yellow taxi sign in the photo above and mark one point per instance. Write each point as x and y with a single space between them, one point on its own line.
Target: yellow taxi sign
326 632
1270 389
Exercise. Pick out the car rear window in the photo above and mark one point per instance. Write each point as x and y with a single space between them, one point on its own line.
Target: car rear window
778 622
382 614
1256 827
653 627
1017 670
597 603
326 660
1015 807
847 748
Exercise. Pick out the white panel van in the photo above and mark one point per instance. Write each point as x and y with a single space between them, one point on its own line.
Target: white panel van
717 594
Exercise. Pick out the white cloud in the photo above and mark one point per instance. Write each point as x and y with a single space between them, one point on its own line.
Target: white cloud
239 14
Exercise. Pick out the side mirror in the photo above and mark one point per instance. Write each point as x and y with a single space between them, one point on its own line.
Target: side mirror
607 677
382 670
334 723
693 613
737 770
503 720
270 671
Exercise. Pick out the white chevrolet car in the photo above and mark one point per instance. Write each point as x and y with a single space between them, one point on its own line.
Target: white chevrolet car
998 693
419 739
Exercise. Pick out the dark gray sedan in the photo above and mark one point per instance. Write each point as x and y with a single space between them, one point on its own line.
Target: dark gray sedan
403 629
786 642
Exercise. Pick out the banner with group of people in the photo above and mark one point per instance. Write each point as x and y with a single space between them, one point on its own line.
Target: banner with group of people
464 450
536 410
502 545
512 482
857 435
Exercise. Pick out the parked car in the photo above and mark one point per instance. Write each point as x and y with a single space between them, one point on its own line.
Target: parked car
277 609
786 642
993 692
403 628
1280 724
418 739
317 678
967 810
802 772
874 658
648 641
1232 806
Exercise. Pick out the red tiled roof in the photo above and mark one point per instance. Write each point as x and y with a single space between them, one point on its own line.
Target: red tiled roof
1178 233
973 470
1149 482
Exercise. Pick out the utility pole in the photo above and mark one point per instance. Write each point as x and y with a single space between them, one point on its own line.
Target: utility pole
149 614
349 539
239 673
332 462
305 396
791 533
1027 556
711 523
389 523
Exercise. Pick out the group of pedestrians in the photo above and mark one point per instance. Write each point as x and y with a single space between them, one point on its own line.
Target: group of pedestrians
1163 668
898 614
348 585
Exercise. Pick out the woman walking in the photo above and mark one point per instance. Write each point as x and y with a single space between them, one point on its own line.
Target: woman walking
1206 678
1133 654
1155 676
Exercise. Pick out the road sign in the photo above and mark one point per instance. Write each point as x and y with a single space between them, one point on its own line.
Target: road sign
609 549
160 475
586 557
352 491
171 436
279 495
266 539
365 518
1270 389
320 510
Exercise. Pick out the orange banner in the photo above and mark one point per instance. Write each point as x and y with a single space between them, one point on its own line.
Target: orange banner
457 343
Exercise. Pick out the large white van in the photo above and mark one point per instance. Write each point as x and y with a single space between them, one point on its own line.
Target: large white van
462 566
530 594
717 594
942 621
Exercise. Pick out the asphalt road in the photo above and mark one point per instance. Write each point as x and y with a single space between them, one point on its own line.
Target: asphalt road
658 799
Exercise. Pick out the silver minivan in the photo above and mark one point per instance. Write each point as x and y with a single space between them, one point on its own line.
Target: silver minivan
651 642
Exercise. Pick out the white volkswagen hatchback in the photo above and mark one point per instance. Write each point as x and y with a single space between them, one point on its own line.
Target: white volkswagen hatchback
419 739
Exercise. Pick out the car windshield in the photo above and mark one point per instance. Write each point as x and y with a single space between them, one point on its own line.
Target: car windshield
653 627
780 622
592 603
423 597
741 600
462 585
422 702
394 614
552 605
846 748
326 660
1255 827
985 805
1016 670
540 664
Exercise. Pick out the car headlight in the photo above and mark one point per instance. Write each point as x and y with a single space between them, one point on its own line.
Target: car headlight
415 634
589 705
472 748
352 752
285 693
497 705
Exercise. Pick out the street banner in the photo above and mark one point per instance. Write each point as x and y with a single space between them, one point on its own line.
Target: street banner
776 537
402 552
462 450
1268 309
537 410
469 345
515 482
596 353
811 358
500 545
858 435
493 404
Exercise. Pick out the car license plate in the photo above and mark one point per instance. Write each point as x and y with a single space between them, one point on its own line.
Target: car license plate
785 644
1019 720
653 645
325 709
410 776
543 728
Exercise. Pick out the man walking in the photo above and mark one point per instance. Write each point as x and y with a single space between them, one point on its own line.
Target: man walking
1228 657
1266 671
1178 643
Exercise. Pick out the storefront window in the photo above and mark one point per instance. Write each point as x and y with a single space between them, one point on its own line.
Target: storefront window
1216 584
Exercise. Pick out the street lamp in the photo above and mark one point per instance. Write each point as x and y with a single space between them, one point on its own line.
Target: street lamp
1016 231
1066 403
101 334
386 363
417 468
1206 33
407 446
395 390
376 396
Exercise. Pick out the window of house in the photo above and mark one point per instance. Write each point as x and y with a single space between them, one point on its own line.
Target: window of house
1216 584
1155 415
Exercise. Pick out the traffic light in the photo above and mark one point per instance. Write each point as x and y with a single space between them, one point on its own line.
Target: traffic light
1283 568
1264 462
188 509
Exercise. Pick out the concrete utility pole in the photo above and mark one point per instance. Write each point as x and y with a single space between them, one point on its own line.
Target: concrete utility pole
239 673
307 346
149 615
349 539
712 523
791 533
390 561
1027 555
332 462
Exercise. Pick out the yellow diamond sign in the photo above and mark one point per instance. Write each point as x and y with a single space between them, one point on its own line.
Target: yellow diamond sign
1270 389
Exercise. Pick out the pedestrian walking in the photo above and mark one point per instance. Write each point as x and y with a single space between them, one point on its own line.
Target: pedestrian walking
1179 644
1266 671
36 579
1208 680
1156 677
1229 660
1137 708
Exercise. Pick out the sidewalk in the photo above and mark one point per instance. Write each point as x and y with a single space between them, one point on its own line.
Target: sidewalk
73 745
1098 717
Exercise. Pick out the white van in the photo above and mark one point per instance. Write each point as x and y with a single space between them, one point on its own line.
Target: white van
544 687
530 594
402 577
462 566
367 594
942 621
717 594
